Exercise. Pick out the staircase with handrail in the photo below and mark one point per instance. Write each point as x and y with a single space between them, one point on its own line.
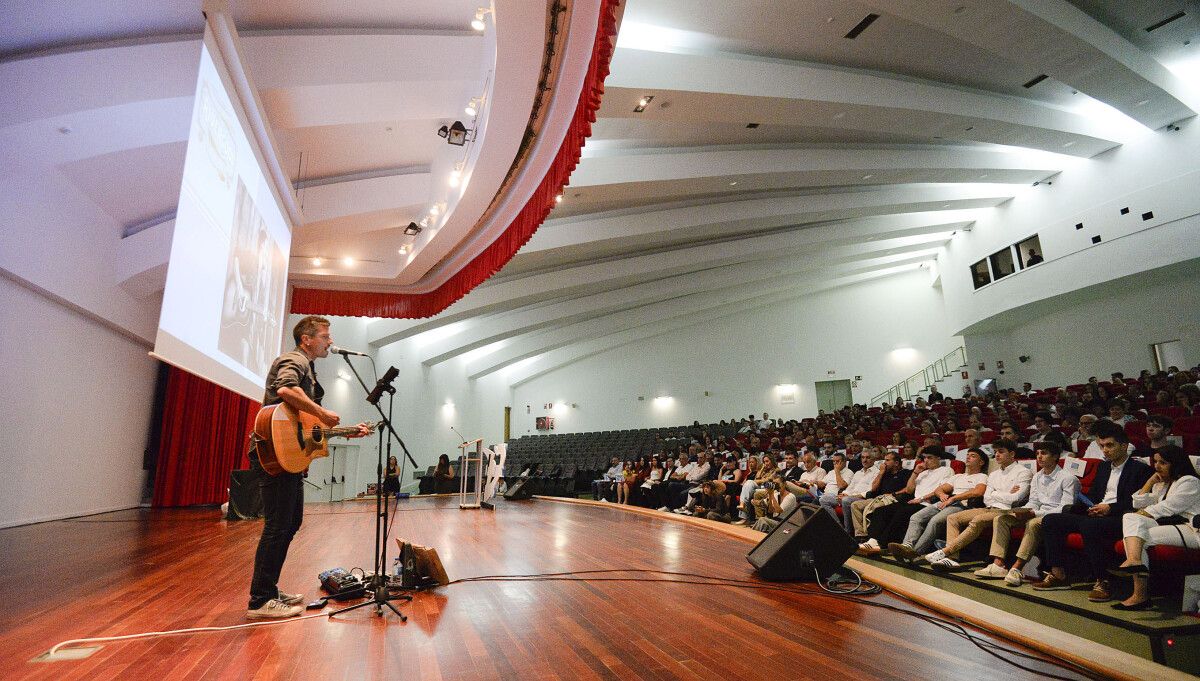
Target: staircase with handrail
924 379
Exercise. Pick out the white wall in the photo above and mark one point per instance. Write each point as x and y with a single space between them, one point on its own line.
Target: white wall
79 411
1112 331
741 359
1156 172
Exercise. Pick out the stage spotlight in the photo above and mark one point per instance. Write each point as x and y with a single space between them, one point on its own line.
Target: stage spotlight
456 135
477 22
316 262
473 106
412 229
443 131
348 261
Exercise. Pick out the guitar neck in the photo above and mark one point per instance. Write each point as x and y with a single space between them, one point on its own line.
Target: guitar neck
345 430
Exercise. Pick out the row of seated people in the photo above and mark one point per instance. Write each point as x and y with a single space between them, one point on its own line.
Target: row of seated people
1125 499
906 502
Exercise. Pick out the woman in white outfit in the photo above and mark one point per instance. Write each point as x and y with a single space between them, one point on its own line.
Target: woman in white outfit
1166 505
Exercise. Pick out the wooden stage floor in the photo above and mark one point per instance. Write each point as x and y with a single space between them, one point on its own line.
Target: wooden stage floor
140 570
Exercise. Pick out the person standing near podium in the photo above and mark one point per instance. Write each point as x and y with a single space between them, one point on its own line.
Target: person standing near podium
292 379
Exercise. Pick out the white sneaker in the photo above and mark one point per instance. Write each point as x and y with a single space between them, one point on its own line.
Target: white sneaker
873 543
740 523
935 556
1014 578
944 564
991 571
665 509
274 609
603 500
291 599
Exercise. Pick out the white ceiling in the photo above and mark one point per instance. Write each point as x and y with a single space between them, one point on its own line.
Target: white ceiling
868 154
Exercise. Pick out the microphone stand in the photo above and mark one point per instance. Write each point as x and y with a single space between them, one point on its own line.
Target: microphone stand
377 585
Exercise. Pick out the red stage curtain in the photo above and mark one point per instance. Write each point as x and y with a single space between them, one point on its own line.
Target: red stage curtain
204 434
495 256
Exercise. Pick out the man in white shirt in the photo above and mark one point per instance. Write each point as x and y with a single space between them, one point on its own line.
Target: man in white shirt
1052 490
807 487
602 487
855 488
888 523
1007 488
951 497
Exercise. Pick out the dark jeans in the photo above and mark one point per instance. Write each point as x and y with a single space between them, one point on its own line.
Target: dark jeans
889 523
283 510
1099 535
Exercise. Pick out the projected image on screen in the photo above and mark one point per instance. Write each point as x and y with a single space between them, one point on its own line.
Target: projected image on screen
223 306
249 317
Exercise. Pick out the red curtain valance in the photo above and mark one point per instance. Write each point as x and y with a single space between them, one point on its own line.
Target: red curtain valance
204 433
495 256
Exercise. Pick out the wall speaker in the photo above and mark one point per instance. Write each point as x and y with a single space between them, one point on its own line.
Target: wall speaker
807 538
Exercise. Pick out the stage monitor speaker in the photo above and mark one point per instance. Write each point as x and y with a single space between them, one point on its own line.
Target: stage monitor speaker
519 490
806 538
245 496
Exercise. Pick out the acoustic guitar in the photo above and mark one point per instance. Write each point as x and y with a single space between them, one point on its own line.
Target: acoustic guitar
288 440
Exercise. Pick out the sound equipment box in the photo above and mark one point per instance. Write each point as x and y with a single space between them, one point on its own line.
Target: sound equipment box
245 496
807 538
519 490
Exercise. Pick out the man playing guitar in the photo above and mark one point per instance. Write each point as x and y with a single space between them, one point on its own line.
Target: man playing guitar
291 380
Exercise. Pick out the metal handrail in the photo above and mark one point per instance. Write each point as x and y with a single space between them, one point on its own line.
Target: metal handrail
936 371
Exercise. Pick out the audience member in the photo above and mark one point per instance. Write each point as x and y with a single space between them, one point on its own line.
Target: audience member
1052 490
953 496
1007 487
1166 504
1098 517
892 479
886 523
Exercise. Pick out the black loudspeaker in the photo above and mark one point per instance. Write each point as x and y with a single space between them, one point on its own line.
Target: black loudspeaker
245 496
519 490
807 538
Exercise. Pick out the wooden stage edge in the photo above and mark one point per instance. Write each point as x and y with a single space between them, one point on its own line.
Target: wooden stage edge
1083 652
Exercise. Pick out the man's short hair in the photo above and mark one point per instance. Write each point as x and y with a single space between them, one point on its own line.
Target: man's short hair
934 450
1117 402
308 326
1005 444
1162 420
982 454
1050 447
1109 429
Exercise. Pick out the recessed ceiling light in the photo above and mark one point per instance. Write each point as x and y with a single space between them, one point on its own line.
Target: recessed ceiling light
434 210
945 205
733 184
867 177
839 115
1069 144
1143 102
983 176
348 261
643 103
316 262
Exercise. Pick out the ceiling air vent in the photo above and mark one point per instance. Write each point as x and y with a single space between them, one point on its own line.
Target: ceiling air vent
1174 17
862 26
1035 81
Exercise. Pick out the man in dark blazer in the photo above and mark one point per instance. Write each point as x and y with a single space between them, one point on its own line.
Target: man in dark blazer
1111 492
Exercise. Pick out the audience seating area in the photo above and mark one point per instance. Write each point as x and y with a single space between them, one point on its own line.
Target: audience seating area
566 464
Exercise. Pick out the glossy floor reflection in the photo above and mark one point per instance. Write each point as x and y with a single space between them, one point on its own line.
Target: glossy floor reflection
136 571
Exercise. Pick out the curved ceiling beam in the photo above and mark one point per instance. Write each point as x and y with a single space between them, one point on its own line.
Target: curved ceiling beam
535 343
1055 38
825 166
750 214
481 332
594 278
577 352
551 359
791 93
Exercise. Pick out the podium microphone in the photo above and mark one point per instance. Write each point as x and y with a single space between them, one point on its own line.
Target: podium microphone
460 437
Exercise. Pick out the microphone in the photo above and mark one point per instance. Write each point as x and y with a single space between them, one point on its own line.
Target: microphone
343 351
460 437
